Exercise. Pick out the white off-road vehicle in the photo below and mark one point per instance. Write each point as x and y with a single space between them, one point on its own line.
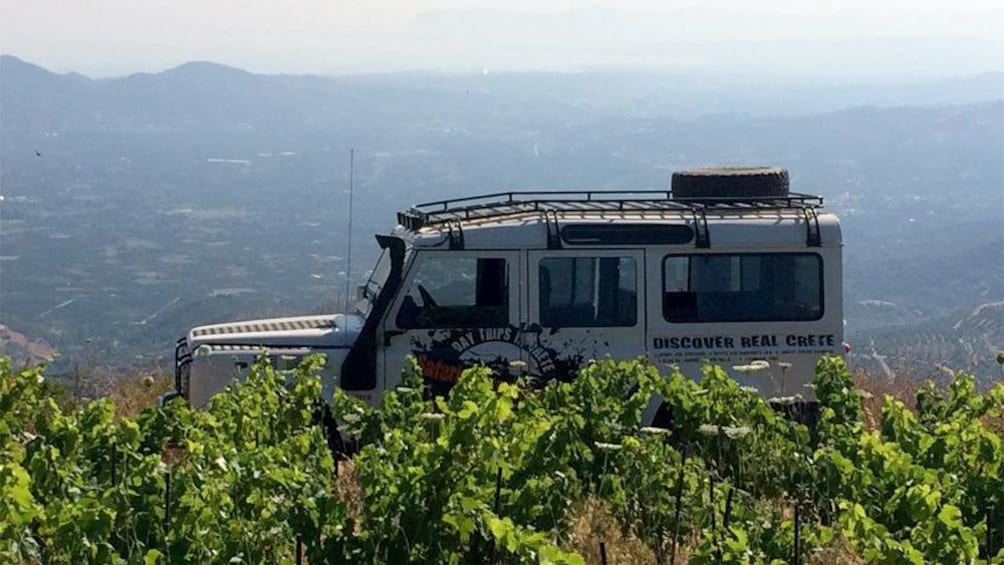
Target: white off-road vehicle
727 267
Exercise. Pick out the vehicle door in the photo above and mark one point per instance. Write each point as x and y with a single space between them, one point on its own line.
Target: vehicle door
456 309
583 304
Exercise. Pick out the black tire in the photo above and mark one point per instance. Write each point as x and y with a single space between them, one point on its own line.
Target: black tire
665 419
340 448
731 182
805 412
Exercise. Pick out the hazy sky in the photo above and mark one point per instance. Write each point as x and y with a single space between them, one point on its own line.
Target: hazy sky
864 38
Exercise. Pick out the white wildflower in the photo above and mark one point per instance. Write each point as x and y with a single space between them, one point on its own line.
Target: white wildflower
707 430
757 366
736 432
731 432
785 400
517 364
433 417
608 446
655 431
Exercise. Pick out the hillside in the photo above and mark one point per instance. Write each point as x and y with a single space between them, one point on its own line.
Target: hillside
935 349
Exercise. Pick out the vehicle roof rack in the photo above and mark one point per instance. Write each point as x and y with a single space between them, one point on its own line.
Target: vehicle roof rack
501 204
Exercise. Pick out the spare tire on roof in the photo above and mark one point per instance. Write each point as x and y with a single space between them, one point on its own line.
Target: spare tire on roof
731 182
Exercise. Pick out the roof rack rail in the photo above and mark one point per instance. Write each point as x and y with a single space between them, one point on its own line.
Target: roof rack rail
501 204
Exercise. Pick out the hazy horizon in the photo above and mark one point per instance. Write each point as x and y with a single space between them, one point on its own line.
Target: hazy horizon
766 81
898 39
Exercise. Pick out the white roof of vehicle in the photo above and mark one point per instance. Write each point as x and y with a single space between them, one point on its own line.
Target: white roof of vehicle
747 229
532 220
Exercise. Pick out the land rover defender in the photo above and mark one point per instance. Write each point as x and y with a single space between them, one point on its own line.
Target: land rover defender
727 267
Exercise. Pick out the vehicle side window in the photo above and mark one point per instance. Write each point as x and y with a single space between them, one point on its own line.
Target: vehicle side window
588 291
457 292
749 287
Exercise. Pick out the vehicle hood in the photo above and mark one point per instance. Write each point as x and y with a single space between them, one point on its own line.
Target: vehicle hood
329 331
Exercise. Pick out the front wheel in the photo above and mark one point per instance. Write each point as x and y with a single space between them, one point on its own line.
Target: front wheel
805 413
341 448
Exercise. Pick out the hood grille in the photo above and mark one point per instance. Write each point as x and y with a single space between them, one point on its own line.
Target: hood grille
280 325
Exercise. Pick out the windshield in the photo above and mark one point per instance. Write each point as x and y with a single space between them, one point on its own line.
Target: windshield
376 279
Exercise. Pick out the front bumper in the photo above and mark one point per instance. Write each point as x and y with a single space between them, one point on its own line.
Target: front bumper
167 397
182 372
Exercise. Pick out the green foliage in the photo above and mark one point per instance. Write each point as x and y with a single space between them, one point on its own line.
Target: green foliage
247 475
496 472
924 487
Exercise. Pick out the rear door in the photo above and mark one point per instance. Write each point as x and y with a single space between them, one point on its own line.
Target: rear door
764 316
583 304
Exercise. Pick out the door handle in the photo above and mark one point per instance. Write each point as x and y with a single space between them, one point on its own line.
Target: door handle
533 328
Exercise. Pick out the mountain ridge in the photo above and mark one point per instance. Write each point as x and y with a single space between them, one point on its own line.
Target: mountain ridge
965 89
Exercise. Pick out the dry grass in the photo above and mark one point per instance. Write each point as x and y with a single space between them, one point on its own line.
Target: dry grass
137 391
348 489
131 389
994 423
594 523
839 552
876 388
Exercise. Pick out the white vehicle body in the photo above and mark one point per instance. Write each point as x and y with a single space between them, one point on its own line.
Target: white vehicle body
542 283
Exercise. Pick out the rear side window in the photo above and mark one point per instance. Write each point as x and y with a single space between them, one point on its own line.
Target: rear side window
457 292
747 287
626 234
588 291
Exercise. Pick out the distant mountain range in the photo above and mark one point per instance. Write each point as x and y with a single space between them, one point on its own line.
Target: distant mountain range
210 95
135 207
